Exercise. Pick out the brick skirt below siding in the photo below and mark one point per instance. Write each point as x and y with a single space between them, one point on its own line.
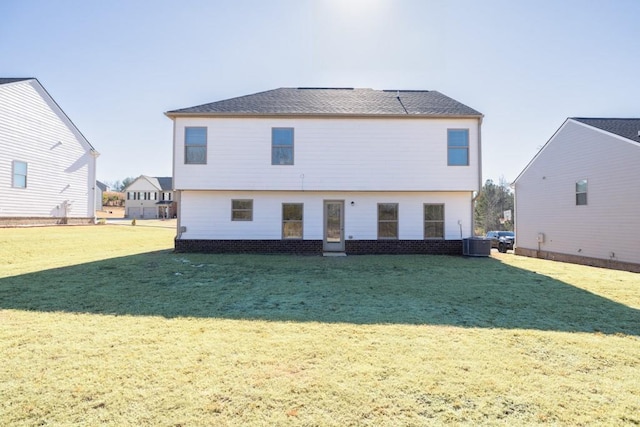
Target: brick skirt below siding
30 221
352 247
577 259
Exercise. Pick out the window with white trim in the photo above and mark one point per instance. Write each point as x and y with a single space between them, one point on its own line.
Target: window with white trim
458 147
282 146
19 174
433 221
292 222
195 145
581 192
387 220
242 210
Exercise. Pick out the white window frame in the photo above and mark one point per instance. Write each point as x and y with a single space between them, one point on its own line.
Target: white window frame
15 174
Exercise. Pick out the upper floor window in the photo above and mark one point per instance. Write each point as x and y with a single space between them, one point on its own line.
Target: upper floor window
166 196
434 221
292 220
195 145
19 174
458 147
241 210
387 220
282 146
581 192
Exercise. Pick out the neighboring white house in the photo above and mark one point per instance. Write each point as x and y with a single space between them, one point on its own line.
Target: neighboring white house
47 167
150 197
322 170
578 200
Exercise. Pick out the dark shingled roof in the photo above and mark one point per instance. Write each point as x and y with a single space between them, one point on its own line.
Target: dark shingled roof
627 128
166 183
4 80
335 101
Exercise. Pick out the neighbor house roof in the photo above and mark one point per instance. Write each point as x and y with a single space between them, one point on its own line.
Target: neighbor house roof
163 183
626 128
4 80
335 101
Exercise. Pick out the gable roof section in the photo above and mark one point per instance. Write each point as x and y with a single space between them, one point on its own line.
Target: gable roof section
54 106
335 101
163 183
626 128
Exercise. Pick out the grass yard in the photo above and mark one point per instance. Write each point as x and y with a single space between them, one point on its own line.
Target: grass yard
105 325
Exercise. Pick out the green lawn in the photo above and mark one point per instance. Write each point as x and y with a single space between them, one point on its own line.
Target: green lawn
105 325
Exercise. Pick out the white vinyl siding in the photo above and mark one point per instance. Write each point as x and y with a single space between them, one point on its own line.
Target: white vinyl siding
546 198
205 214
331 154
60 178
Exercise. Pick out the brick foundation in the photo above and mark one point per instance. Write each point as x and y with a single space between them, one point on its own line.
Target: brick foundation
34 221
352 247
577 259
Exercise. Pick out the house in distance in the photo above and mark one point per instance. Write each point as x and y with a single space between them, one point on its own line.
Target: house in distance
149 197
321 170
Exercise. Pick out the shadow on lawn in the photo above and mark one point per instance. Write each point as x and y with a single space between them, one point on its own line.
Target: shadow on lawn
436 290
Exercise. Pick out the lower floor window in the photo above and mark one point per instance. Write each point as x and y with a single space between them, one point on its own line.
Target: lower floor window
292 220
241 210
434 221
387 220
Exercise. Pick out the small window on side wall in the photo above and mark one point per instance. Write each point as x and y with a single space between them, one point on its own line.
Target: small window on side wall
195 145
19 174
581 192
387 220
292 225
434 221
242 210
282 146
458 147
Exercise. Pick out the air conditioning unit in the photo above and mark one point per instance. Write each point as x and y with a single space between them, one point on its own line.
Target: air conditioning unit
476 246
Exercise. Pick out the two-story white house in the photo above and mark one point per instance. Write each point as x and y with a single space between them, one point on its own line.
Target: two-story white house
47 167
150 197
327 170
579 197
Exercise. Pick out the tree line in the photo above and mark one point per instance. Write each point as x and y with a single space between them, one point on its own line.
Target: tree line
494 207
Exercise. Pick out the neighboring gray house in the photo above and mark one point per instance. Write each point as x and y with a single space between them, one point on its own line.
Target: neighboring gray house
47 167
578 200
150 197
318 170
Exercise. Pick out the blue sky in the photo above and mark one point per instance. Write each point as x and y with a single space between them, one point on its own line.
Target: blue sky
116 66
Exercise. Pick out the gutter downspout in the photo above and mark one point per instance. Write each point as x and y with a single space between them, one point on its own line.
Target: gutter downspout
176 194
473 199
93 176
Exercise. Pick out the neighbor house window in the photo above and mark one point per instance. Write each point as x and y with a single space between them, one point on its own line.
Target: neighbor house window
581 192
166 196
434 221
195 145
242 210
387 220
292 220
19 174
458 147
282 146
